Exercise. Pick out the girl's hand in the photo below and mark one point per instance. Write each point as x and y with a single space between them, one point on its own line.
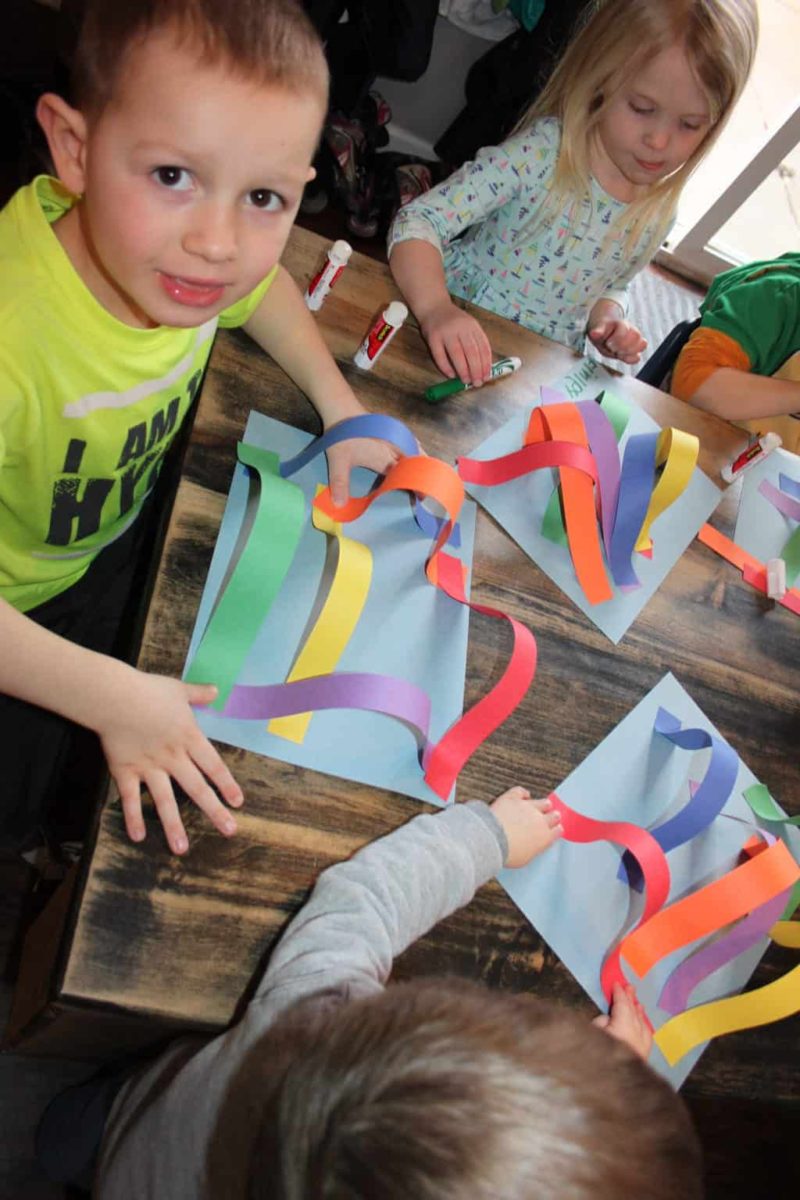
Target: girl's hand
457 343
627 1021
618 339
530 825
151 738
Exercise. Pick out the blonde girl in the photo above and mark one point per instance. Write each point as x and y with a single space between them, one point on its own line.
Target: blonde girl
548 228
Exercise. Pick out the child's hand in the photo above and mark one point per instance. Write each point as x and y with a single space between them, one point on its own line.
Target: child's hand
152 739
457 344
378 456
627 1021
618 339
530 825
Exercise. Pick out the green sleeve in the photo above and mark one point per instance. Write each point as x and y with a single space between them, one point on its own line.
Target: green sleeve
763 316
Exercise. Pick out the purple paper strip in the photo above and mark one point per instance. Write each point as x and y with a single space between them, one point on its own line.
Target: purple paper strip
371 425
784 504
375 693
431 525
685 978
603 445
707 802
635 490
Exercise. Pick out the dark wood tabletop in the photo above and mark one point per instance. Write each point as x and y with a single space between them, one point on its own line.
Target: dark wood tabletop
147 943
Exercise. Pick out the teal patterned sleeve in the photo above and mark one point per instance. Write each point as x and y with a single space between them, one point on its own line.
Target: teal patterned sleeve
514 176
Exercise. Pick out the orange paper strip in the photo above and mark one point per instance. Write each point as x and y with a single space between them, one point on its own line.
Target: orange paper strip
562 422
707 910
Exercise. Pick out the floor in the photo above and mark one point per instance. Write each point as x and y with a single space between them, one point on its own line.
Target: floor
26 1084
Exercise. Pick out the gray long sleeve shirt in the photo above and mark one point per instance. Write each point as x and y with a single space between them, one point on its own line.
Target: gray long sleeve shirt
361 915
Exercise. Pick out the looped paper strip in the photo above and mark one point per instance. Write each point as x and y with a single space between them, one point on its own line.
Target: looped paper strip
648 854
786 499
256 579
467 734
753 571
334 627
765 808
708 800
708 909
432 478
582 445
312 684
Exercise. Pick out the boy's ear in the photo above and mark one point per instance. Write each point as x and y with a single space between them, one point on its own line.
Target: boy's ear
65 130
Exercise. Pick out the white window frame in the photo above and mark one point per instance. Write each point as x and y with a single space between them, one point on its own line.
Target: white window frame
693 250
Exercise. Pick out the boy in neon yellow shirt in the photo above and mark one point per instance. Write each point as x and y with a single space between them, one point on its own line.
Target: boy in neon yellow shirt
180 169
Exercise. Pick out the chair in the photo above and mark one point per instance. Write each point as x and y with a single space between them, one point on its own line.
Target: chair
662 360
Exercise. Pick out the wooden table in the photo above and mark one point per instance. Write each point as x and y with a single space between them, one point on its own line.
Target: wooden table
145 943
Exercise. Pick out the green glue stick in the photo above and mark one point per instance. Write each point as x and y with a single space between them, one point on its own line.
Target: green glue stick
440 391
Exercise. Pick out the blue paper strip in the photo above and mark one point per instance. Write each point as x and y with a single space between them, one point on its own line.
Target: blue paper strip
635 490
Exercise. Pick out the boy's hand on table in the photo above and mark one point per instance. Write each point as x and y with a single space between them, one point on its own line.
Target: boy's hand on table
530 825
372 453
627 1021
153 739
618 339
457 343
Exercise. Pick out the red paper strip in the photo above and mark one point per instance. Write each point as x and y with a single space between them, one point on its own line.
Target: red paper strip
647 852
475 726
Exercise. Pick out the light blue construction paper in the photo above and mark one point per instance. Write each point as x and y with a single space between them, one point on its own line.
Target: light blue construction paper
760 529
571 894
408 628
519 507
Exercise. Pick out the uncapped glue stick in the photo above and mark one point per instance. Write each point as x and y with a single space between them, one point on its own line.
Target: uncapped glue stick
336 260
380 335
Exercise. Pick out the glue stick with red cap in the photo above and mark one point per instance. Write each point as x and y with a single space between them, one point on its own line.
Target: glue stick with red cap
336 260
380 335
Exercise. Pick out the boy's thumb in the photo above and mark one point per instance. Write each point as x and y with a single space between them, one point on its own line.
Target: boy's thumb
340 492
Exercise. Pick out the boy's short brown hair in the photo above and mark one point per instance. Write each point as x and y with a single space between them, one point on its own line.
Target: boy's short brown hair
443 1090
270 41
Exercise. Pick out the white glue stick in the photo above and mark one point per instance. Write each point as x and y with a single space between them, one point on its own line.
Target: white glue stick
380 335
776 578
754 452
336 260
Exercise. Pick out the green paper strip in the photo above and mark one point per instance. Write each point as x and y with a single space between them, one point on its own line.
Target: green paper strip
765 808
256 580
618 414
791 556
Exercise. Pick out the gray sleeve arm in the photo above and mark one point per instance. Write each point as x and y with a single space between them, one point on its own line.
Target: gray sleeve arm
364 912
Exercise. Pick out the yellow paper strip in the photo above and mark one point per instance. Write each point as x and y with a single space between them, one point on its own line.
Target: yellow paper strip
678 451
786 933
770 1003
334 627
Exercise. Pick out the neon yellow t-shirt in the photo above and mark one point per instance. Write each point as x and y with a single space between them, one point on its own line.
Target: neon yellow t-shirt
88 405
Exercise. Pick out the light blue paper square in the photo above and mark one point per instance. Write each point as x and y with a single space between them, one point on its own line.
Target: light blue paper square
571 894
760 529
408 628
519 507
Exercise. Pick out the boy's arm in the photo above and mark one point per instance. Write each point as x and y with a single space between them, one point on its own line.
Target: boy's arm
713 372
284 327
144 722
364 912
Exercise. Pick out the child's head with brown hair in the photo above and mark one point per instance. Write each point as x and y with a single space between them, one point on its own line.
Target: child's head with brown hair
664 75
265 41
188 145
443 1090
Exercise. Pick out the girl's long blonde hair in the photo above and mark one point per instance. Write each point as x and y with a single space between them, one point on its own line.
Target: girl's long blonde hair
617 38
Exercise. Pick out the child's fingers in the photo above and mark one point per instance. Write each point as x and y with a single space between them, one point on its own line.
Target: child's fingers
203 795
159 785
553 819
131 800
